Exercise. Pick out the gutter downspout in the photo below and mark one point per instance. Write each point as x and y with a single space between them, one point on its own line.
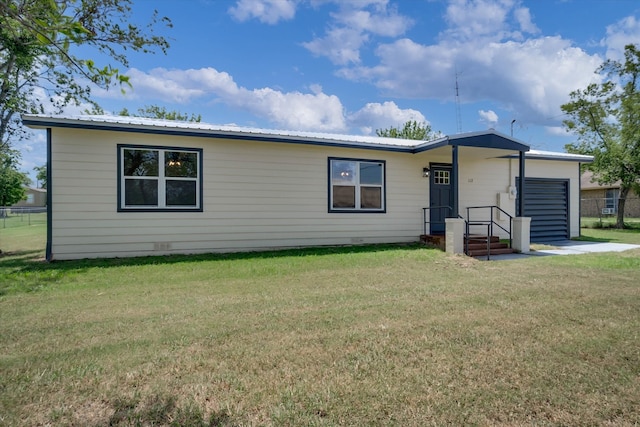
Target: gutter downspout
48 254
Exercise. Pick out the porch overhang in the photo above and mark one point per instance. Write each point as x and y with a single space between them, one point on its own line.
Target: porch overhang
486 140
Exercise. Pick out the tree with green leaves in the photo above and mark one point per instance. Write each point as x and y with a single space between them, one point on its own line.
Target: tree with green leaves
605 117
12 181
41 59
41 175
157 112
410 130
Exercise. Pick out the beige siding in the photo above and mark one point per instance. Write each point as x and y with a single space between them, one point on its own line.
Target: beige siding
259 195
487 181
256 195
481 182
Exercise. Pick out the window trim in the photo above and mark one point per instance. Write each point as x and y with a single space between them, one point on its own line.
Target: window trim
121 178
383 194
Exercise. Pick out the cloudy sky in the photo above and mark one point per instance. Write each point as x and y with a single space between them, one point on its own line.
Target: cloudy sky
354 66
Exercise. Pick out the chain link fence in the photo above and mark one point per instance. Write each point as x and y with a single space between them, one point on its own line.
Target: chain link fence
11 217
603 211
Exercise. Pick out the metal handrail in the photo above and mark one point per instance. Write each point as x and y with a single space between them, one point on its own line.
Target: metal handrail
468 223
490 223
424 216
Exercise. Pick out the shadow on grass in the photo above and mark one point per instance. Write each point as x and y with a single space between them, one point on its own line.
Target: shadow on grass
610 235
27 271
162 411
592 239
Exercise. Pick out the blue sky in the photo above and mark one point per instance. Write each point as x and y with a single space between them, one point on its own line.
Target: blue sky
354 66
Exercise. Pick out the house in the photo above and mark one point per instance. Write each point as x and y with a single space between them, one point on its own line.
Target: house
602 199
35 198
127 186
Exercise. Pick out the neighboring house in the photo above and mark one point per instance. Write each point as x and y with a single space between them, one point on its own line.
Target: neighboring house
597 200
126 186
35 198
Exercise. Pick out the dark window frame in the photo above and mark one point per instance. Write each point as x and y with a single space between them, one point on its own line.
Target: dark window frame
121 178
358 186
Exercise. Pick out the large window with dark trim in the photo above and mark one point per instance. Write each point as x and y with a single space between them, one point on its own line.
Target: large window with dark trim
356 185
159 178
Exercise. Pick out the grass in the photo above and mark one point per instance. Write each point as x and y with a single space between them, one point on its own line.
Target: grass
629 235
26 232
608 222
377 335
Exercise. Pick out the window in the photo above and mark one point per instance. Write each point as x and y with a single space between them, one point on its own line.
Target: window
441 177
30 199
356 185
611 199
159 178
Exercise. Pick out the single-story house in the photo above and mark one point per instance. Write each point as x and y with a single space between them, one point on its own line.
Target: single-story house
602 199
34 198
127 186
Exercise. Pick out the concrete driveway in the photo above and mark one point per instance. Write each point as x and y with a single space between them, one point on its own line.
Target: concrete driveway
570 247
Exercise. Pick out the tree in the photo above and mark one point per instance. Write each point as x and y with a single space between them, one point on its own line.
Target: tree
41 175
605 117
39 45
157 112
411 130
12 181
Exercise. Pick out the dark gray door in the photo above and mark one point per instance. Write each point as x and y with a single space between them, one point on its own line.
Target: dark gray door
547 203
440 197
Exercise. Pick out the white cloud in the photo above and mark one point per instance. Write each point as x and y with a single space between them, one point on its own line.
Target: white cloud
382 21
489 117
381 116
624 32
340 45
34 151
293 110
530 78
523 16
352 27
267 11
469 19
315 111
556 130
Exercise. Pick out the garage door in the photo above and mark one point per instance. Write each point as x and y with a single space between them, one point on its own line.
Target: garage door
547 203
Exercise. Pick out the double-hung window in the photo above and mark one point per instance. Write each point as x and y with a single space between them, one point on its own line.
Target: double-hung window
356 185
159 179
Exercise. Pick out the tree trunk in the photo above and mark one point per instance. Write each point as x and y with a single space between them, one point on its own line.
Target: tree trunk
624 191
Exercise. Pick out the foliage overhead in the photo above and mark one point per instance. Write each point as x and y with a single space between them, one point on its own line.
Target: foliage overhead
41 175
410 130
43 60
157 112
605 117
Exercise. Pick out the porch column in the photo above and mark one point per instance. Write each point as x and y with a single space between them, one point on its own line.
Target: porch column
454 180
521 234
454 238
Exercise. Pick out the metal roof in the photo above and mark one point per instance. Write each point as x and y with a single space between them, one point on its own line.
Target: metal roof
484 139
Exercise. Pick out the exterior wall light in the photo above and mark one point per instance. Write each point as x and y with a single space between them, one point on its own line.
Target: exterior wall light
426 172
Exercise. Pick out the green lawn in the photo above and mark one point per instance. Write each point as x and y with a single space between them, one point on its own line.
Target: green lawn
380 335
629 235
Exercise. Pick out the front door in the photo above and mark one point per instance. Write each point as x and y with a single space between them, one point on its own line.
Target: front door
440 197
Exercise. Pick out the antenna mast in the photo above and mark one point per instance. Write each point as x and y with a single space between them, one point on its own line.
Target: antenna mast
458 116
